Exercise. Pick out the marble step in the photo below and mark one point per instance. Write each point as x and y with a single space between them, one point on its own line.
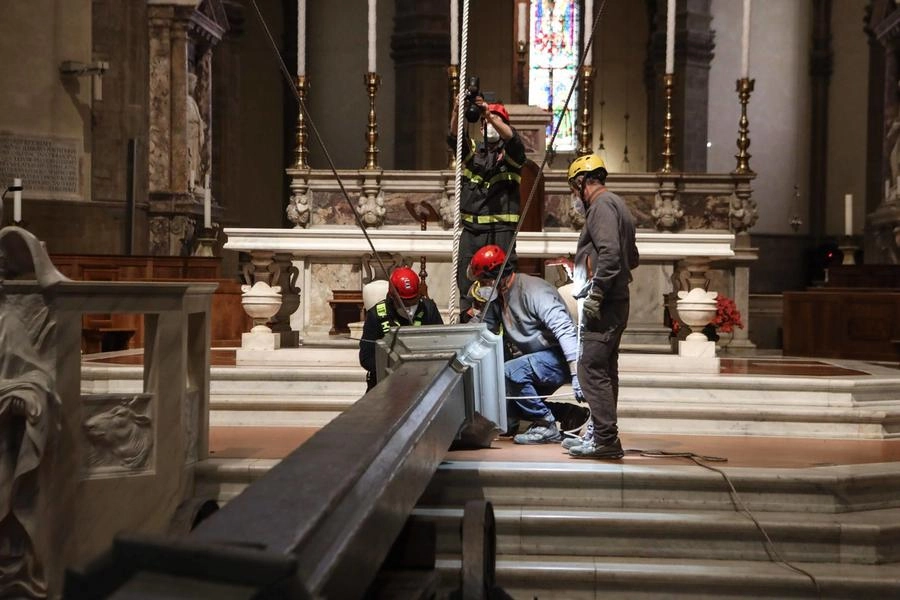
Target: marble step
590 485
579 577
865 537
609 485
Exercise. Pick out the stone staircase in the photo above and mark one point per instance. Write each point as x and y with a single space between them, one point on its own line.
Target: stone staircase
656 396
589 529
569 530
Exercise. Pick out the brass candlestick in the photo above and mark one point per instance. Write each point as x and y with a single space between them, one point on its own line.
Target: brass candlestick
667 154
302 151
744 87
586 118
848 248
521 92
372 81
206 242
453 80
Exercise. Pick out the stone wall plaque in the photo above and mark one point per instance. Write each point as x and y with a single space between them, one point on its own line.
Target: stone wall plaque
45 164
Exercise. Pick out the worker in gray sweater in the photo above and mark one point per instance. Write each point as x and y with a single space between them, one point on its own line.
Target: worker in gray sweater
539 334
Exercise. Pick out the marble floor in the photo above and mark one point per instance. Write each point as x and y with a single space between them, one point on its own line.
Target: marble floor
739 451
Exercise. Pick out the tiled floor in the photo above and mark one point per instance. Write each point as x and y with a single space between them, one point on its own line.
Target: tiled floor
277 442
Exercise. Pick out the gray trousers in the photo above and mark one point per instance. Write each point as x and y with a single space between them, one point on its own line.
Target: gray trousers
598 368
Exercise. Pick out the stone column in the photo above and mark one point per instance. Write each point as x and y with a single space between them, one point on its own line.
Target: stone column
820 70
420 48
181 34
694 44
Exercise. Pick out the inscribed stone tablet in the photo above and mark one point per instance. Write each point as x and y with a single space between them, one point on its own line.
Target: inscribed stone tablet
44 164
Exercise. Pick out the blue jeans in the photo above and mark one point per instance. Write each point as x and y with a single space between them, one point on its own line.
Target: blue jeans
536 374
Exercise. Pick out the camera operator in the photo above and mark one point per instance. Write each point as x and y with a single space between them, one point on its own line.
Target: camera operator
489 202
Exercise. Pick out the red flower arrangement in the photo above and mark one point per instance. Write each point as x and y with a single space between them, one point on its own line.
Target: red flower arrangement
727 315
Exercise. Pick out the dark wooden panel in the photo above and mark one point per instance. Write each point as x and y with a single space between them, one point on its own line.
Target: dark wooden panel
842 323
864 276
228 322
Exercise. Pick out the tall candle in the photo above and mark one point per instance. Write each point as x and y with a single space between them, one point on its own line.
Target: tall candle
372 36
454 32
848 214
207 205
522 28
301 38
745 41
670 37
17 200
588 26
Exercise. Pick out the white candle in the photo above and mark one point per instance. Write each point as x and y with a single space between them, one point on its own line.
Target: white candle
207 205
522 29
848 214
301 38
17 200
670 37
588 25
454 32
745 42
372 36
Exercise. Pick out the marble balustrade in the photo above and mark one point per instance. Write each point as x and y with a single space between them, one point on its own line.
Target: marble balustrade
310 263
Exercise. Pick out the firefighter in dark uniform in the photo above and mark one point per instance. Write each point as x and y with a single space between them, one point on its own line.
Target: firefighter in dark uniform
489 201
415 310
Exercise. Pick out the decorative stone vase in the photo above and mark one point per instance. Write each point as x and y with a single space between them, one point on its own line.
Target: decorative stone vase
696 309
261 301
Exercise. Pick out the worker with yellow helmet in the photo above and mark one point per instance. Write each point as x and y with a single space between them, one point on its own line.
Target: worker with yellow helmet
605 256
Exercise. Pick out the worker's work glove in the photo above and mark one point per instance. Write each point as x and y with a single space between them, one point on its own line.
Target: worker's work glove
591 307
576 388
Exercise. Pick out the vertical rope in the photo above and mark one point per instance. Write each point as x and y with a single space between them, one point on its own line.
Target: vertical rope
457 182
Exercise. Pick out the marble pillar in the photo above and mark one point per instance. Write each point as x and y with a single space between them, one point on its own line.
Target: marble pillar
182 37
420 50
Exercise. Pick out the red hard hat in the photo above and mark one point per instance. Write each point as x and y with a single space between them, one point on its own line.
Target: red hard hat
500 110
485 263
406 282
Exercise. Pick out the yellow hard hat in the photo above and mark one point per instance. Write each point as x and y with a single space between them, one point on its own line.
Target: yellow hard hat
585 164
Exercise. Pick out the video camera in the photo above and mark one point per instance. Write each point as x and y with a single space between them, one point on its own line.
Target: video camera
473 90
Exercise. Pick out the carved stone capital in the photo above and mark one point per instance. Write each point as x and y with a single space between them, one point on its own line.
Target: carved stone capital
371 203
743 213
297 209
667 212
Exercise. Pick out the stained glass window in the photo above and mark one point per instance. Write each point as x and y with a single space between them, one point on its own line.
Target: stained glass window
555 35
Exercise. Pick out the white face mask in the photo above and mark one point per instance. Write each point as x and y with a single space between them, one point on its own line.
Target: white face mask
491 134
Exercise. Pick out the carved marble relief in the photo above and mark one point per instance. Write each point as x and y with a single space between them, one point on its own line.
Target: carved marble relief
29 411
118 432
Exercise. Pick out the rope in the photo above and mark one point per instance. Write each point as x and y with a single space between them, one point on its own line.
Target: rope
457 176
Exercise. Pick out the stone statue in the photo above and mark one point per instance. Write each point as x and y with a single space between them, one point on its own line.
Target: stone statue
196 137
29 416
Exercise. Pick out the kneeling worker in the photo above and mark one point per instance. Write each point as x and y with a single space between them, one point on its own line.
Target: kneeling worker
537 326
414 310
